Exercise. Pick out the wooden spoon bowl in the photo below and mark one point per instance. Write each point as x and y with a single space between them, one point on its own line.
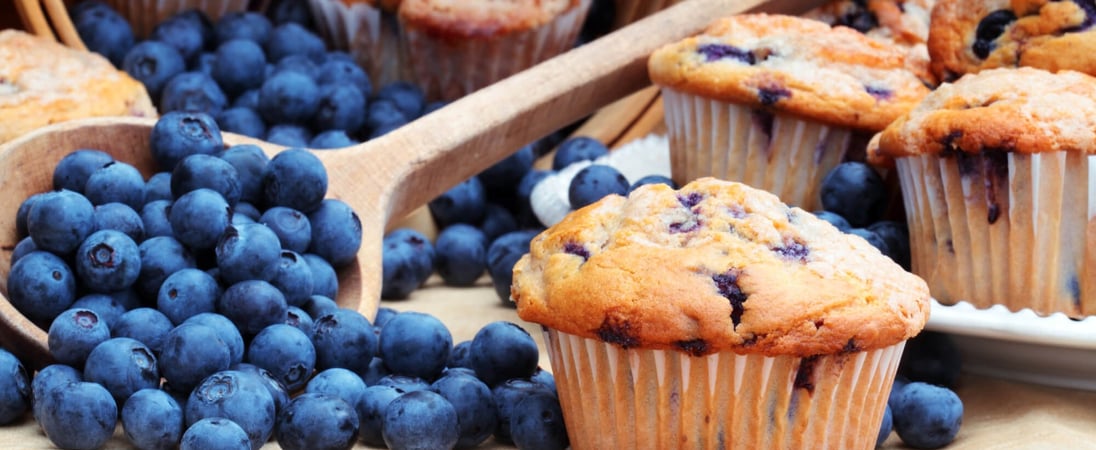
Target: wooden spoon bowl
388 177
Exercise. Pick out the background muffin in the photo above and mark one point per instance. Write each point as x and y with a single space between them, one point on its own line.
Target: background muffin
716 313
995 172
777 101
902 22
368 29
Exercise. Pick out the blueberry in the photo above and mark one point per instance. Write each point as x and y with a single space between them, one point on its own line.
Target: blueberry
145 325
186 33
536 422
463 203
855 191
239 66
931 357
47 379
336 232
370 409
177 135
340 107
989 29
73 334
885 427
503 350
325 281
295 178
206 171
152 420
384 113
594 182
719 51
331 139
507 396
420 419
344 71
60 220
461 254
834 219
652 179
161 256
248 99
73 170
299 63
872 237
118 182
249 162
407 97
288 97
579 148
897 237
524 211
215 432
15 388
123 366
293 39
502 254
343 338
243 25
247 252
24 247
119 217
289 135
253 305
474 404
337 382
290 11
235 396
190 353
927 416
105 306
273 386
199 218
24 211
460 356
297 317
544 378
242 120
78 415
292 227
187 293
194 92
415 344
153 63
497 221
292 276
155 220
41 286
108 261
407 260
286 352
507 173
317 421
104 31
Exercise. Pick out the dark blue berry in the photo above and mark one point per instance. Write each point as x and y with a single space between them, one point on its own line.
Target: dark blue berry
15 388
108 261
652 179
295 178
337 382
461 254
834 219
119 217
286 352
73 335
206 171
325 281
502 254
291 275
177 135
292 39
116 182
317 421
897 237
989 29
24 210
288 97
73 170
161 256
297 317
460 356
253 305
507 173
289 135
199 218
242 120
407 97
885 427
60 220
336 232
474 404
146 325
579 148
153 63
249 99
507 396
248 25
344 71
105 306
276 388
24 247
407 260
236 396
155 219
341 107
186 33
381 112
49 378
41 286
420 419
247 252
872 237
104 31
370 409
931 357
855 191
215 432
927 416
594 182
78 415
186 293
497 221
503 350
194 92
463 203
536 422
343 338
190 353
415 344
331 139
239 66
250 162
152 419
123 366
717 51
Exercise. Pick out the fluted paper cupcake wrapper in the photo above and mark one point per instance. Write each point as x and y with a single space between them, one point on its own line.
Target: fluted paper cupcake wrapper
628 11
369 34
448 68
614 398
1004 228
143 16
779 153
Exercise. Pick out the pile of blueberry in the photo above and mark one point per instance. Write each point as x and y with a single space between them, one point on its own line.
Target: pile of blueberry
854 199
268 79
923 407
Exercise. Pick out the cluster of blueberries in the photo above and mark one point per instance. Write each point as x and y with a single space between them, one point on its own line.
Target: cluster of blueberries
270 80
923 408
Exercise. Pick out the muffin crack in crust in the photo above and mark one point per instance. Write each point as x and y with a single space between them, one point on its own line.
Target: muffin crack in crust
754 276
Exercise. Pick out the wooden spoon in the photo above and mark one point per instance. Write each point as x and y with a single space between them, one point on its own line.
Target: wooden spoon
388 177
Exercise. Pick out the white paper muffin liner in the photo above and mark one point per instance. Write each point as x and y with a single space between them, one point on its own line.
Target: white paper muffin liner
779 153
649 155
628 11
1013 229
448 68
144 15
615 399
369 34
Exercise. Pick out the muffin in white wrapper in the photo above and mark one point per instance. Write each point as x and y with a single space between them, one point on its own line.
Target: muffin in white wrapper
636 398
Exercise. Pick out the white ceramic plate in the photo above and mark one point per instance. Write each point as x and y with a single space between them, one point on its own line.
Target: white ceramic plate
1049 350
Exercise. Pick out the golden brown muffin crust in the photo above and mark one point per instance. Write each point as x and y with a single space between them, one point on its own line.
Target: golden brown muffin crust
43 82
715 266
480 18
904 22
800 66
1024 110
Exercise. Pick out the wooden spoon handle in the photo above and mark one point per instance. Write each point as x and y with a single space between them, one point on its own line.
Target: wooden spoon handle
423 159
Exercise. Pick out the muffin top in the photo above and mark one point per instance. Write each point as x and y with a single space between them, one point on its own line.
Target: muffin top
43 82
1023 110
715 266
904 22
794 65
480 18
968 36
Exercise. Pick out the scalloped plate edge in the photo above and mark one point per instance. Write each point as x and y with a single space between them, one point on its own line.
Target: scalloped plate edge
997 322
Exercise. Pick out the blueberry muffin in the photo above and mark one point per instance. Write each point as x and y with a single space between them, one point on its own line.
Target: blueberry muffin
43 82
777 101
968 36
902 22
995 172
367 29
454 47
715 316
